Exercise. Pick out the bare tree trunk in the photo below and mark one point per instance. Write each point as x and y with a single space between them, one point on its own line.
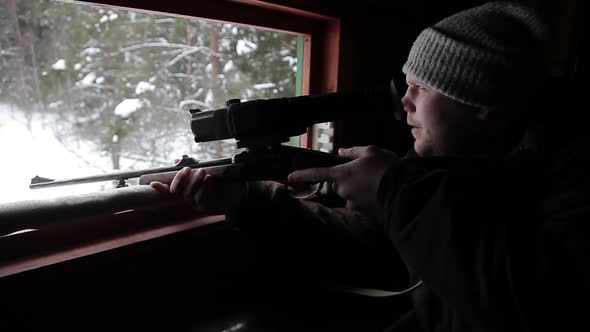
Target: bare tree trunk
116 155
215 83
21 102
189 41
40 103
215 65
11 5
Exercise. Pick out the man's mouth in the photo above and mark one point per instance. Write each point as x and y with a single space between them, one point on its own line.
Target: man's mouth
414 129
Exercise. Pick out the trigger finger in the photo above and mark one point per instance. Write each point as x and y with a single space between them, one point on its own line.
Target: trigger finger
312 175
179 181
194 183
335 187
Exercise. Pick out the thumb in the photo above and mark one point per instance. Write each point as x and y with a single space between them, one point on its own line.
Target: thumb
161 187
312 175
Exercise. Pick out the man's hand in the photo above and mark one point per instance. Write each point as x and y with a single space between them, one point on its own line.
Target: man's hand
204 192
357 181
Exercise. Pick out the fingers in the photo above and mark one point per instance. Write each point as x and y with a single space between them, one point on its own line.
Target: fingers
313 175
193 184
161 187
217 197
199 195
179 181
356 151
201 191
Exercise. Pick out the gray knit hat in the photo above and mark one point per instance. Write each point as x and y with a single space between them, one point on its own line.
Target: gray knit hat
483 56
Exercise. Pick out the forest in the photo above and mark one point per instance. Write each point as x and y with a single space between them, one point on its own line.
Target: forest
120 83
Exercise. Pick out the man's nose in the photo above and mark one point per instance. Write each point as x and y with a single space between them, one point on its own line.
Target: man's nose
408 104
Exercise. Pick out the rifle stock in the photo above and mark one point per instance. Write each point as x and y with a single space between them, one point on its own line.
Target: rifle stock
233 172
267 165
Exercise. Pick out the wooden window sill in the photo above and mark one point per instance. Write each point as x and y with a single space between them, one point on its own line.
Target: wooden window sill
57 255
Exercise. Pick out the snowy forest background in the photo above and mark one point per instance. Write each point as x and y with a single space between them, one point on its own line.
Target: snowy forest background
113 87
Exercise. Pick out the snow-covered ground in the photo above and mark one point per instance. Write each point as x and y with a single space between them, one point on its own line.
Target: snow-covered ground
25 154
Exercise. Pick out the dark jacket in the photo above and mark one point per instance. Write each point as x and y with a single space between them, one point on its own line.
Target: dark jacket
498 243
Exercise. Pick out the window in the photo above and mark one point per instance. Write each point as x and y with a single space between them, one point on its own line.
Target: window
88 89
28 237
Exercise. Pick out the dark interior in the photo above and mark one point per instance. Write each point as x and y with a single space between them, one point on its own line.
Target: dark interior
212 278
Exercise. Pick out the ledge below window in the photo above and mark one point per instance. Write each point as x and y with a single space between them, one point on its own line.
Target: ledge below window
40 233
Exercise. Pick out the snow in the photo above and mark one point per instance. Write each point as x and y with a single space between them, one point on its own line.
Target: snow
143 87
88 79
225 44
100 80
261 86
189 103
77 66
291 60
38 152
245 46
59 65
90 51
104 19
55 104
128 107
209 97
228 66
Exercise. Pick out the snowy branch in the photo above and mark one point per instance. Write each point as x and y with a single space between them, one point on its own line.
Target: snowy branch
154 44
8 52
186 50
159 44
198 103
97 86
183 75
169 134
192 50
167 109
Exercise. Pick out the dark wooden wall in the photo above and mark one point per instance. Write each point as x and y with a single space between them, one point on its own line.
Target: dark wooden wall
191 278
376 36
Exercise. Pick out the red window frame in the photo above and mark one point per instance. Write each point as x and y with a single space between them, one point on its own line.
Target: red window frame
97 233
322 32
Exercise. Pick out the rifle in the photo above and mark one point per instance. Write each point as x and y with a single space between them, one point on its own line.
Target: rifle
260 128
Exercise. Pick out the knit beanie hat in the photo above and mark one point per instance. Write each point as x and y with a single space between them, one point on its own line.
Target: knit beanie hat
484 56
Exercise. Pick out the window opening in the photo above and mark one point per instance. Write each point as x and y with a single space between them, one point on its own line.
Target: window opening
89 89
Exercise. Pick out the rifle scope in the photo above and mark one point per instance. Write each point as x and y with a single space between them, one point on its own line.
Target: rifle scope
289 116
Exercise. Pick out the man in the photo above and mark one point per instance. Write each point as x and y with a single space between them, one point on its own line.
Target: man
460 209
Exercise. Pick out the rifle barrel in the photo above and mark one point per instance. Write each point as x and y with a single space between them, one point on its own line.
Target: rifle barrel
44 183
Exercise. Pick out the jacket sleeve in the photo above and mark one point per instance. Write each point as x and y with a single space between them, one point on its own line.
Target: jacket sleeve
333 243
456 224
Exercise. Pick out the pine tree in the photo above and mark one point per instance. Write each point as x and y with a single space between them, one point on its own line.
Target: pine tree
124 81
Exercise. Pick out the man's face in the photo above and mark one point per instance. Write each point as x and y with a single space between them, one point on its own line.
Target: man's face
440 125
